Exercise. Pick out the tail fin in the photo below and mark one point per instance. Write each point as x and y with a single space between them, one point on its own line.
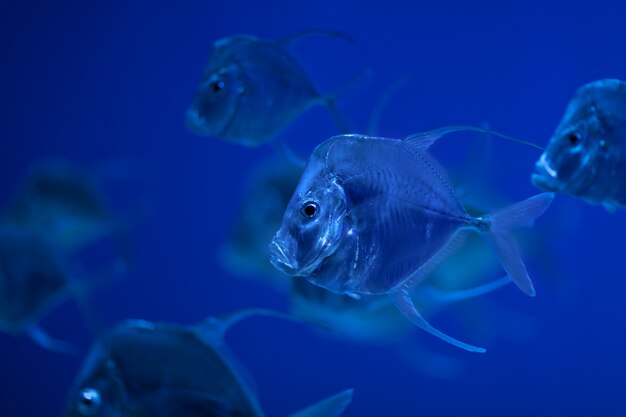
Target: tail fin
501 222
330 407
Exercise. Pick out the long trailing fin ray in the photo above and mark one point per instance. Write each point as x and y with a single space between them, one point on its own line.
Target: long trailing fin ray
383 102
286 152
330 407
500 222
213 329
429 266
402 300
441 297
422 141
330 100
286 40
43 339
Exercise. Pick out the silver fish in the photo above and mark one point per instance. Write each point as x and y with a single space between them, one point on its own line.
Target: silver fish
376 215
251 89
585 157
142 368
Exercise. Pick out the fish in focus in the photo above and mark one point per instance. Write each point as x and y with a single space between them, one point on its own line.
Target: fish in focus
142 368
376 215
33 281
252 88
585 157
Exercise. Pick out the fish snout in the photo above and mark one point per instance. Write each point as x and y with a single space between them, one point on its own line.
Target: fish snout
281 257
544 177
196 123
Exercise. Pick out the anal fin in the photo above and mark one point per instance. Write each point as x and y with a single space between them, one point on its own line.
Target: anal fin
402 300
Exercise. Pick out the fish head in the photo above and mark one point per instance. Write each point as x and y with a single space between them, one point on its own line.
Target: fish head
312 227
89 402
216 103
573 153
99 390
582 144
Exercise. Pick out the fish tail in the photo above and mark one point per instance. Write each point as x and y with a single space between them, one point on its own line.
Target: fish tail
496 226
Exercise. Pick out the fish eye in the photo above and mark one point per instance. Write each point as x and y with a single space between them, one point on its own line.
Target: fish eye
217 85
89 401
309 209
574 138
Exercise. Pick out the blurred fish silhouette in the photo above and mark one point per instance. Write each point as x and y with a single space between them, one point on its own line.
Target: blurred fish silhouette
33 281
376 216
61 203
585 157
164 370
252 88
246 252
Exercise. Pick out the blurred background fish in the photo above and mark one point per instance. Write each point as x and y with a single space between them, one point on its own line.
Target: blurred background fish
33 280
585 156
141 368
245 252
90 81
252 88
57 213
65 205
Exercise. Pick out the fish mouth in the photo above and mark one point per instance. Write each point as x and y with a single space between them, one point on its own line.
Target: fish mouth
196 123
544 177
281 259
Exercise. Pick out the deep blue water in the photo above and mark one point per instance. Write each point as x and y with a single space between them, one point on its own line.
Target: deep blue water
95 81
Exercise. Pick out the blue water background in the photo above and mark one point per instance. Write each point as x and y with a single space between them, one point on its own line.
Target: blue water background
94 81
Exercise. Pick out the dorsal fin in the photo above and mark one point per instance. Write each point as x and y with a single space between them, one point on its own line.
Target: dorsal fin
213 329
422 141
286 40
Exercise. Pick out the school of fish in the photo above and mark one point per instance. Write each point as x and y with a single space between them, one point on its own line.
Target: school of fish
368 238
